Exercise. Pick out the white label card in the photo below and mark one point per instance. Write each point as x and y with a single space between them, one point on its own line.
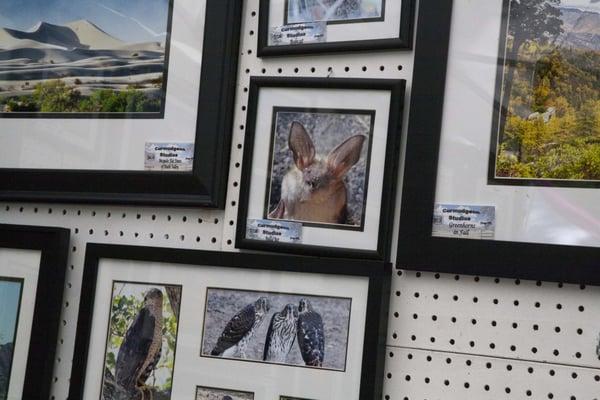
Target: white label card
467 222
274 231
304 33
175 157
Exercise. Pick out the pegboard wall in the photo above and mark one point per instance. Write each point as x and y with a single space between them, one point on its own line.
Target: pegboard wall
450 337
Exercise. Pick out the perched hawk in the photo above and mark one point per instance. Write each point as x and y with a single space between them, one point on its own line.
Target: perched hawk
281 334
240 329
140 351
311 336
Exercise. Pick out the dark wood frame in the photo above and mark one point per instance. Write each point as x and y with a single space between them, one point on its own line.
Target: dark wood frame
390 173
53 243
404 41
417 249
204 186
378 273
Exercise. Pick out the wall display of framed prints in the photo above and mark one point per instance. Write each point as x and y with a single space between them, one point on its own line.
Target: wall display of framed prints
183 324
503 164
317 26
32 272
120 102
320 166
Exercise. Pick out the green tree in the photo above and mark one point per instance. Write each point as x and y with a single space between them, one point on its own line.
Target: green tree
531 20
56 96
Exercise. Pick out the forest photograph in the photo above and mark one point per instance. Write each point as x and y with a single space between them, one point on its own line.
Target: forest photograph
141 344
547 129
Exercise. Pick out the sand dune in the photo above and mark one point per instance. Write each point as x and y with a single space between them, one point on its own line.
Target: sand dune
79 53
92 36
40 55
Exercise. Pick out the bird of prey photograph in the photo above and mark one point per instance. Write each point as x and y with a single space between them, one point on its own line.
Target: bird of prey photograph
311 334
281 334
230 325
208 393
240 329
140 353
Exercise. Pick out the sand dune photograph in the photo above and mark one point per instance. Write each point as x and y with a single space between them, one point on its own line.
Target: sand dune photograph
90 57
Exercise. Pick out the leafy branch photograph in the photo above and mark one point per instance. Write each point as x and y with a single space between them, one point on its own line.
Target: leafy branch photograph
549 126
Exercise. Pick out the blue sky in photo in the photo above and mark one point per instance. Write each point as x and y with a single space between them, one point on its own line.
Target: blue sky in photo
10 294
131 21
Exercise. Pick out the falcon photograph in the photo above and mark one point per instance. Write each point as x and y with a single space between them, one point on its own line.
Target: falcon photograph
334 11
84 57
10 300
278 328
207 393
547 129
142 339
319 167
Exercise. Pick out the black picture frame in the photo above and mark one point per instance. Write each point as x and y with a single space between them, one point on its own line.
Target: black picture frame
378 273
417 249
404 41
204 186
53 244
392 155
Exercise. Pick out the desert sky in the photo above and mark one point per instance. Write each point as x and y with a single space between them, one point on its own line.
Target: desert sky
133 21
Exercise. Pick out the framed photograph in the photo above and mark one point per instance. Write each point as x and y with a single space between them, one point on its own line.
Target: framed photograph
33 263
320 166
206 393
502 168
316 26
177 324
117 102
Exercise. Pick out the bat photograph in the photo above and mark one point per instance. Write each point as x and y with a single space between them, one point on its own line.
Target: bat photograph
289 329
319 167
142 339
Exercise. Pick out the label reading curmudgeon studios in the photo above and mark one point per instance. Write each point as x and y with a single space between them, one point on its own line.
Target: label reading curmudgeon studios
302 33
274 231
175 157
467 222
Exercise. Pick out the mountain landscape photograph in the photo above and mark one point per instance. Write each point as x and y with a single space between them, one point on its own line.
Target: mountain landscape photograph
548 127
90 57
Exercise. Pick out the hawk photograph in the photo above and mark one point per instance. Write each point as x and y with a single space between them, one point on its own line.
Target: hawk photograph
141 344
277 328
207 393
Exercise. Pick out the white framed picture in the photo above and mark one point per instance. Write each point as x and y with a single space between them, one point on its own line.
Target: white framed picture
312 173
200 325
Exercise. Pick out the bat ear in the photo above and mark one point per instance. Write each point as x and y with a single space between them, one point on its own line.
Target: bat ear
301 145
343 157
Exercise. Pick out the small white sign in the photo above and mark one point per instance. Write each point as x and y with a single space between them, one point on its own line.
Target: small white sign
304 33
467 222
176 157
274 231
